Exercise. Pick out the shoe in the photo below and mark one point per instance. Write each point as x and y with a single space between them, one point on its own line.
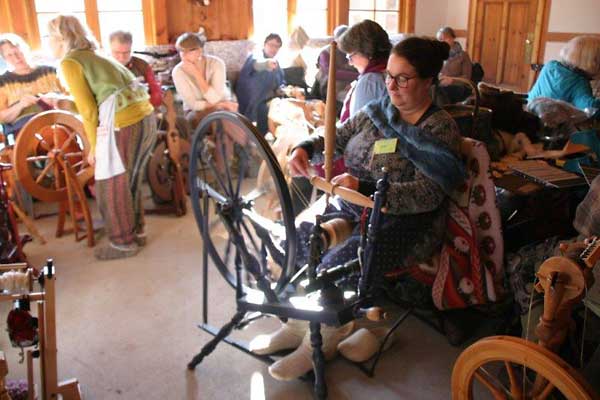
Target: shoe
141 239
299 362
288 336
364 343
116 251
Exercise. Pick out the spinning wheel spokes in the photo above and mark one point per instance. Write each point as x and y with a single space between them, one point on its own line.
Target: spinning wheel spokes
240 235
503 367
47 144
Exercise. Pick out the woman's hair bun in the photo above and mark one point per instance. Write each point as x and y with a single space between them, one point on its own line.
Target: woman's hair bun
443 49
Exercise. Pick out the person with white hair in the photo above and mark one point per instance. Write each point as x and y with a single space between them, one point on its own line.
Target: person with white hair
568 79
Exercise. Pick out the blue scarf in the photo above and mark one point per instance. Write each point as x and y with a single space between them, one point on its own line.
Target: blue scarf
428 153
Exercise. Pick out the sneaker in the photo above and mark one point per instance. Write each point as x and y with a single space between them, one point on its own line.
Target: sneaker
115 251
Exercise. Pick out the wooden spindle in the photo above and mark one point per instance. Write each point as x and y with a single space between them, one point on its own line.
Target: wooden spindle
330 113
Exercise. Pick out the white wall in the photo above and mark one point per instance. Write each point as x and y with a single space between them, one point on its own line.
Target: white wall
581 16
457 15
430 15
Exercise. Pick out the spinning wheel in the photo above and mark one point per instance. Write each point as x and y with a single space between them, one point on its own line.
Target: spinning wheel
50 160
232 213
161 171
46 145
477 367
533 371
168 167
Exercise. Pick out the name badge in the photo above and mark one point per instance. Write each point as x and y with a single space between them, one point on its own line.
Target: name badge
385 146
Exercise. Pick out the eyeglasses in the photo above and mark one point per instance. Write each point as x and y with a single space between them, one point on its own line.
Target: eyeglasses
350 55
400 80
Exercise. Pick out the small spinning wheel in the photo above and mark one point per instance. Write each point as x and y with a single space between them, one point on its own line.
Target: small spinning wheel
476 373
507 367
168 167
232 213
45 146
161 170
50 160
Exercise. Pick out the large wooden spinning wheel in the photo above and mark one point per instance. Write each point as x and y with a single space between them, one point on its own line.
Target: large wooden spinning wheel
47 145
504 367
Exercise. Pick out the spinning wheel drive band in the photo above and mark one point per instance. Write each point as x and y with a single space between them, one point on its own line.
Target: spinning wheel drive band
161 173
512 354
43 146
234 216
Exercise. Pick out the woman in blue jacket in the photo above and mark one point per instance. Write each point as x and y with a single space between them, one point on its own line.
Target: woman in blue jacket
569 78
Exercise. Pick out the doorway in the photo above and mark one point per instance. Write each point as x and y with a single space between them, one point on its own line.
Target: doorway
505 38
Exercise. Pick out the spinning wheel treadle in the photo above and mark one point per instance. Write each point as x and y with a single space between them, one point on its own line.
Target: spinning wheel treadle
46 144
234 216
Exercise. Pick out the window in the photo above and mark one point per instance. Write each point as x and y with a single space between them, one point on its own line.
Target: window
384 12
121 15
112 15
48 9
270 16
311 15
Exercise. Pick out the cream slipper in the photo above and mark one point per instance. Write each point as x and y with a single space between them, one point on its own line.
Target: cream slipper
299 362
288 336
364 343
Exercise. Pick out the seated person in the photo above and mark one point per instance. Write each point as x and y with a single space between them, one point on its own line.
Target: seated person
259 80
25 90
200 79
120 49
367 47
424 165
344 72
458 65
568 79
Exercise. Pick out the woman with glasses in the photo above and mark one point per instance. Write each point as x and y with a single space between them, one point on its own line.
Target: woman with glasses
419 144
120 125
367 47
260 80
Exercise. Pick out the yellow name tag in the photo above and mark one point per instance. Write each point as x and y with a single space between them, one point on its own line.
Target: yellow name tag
385 146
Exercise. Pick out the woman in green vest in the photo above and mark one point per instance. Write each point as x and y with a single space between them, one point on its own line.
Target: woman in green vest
120 126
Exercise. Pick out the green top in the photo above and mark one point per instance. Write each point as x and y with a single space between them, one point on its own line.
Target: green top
91 79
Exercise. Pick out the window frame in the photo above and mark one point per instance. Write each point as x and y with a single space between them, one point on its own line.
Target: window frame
153 14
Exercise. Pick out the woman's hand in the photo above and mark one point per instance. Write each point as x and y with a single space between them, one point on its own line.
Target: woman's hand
272 64
91 159
298 163
346 180
27 100
445 80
